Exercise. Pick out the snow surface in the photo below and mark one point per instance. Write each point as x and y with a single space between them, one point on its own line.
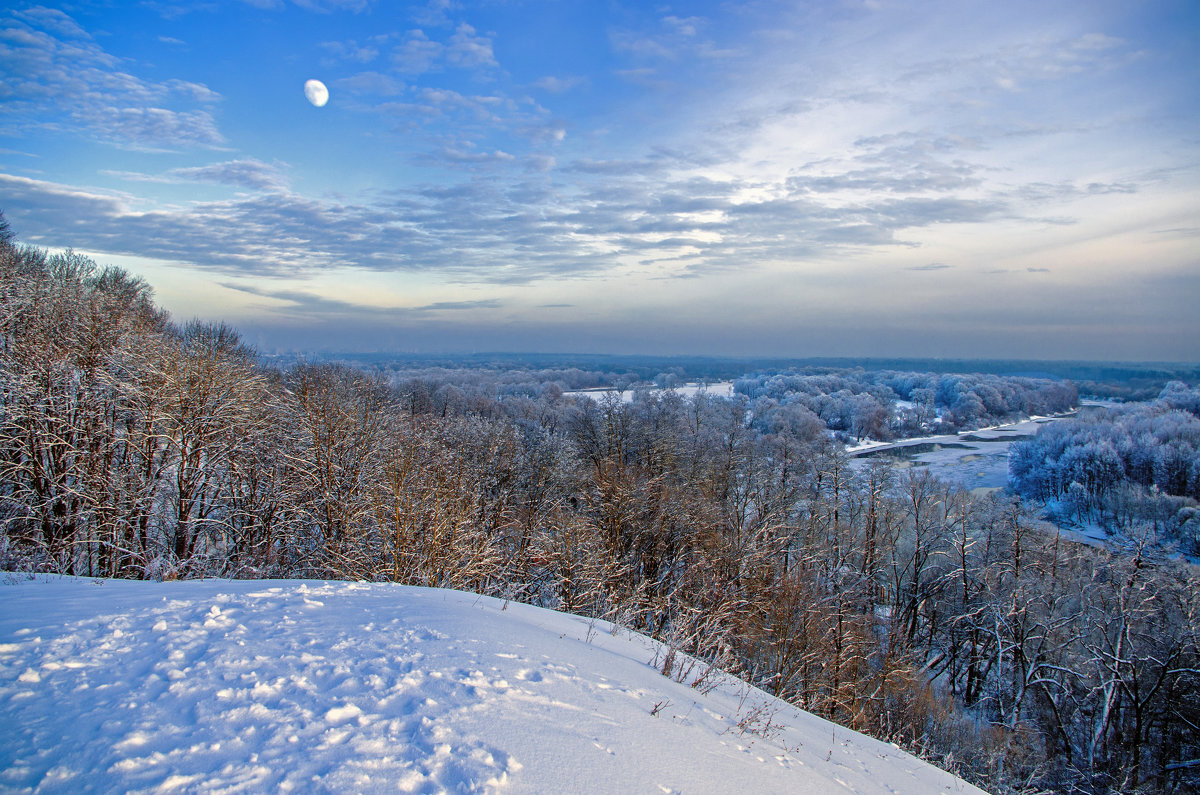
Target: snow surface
721 389
259 686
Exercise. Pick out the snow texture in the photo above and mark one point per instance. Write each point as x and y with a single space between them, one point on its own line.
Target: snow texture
257 686
720 389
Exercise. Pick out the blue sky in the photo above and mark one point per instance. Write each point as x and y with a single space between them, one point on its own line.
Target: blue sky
762 178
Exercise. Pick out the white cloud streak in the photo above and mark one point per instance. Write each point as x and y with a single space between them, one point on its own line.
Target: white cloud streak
58 78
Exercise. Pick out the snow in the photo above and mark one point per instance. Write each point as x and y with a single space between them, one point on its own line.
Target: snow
976 459
722 389
1026 427
256 686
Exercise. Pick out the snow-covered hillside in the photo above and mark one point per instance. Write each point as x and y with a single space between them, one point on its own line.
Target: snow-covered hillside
312 686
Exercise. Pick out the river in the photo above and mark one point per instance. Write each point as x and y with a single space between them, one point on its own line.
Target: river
977 459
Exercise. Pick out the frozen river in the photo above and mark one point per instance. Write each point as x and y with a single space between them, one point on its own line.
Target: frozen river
974 459
977 459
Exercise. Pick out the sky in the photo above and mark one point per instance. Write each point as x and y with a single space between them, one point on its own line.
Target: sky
857 178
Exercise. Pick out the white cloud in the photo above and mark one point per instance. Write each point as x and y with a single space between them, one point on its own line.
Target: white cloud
375 83
351 51
468 50
53 21
640 45
266 5
435 13
243 173
154 129
559 85
60 79
417 53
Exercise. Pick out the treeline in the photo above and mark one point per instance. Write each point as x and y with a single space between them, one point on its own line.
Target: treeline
894 604
1130 470
887 404
1124 381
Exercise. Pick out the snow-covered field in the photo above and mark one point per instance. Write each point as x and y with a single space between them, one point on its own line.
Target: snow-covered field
722 389
262 686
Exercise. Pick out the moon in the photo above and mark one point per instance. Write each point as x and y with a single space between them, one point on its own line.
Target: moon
316 93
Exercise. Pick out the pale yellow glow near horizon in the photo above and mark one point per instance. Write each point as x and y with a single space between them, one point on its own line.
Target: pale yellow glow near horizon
186 291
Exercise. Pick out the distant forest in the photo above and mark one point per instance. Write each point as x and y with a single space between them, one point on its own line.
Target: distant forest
1120 380
960 627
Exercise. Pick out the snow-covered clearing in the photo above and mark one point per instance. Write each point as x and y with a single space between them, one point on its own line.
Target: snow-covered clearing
722 389
349 687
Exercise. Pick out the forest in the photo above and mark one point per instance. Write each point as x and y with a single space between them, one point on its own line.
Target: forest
962 628
887 404
1129 471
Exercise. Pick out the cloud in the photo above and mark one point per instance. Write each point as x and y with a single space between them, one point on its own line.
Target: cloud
435 13
351 51
1179 232
489 303
1026 62
243 173
452 155
468 50
371 83
473 231
466 124
643 76
310 305
51 20
540 132
156 129
674 39
417 53
560 85
1058 192
540 163
1100 188
321 6
307 305
917 211
640 45
933 266
932 178
59 79
588 165
684 26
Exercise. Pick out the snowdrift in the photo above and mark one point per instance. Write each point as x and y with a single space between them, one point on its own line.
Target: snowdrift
350 687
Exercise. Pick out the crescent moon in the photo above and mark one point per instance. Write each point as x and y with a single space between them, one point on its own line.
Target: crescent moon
316 93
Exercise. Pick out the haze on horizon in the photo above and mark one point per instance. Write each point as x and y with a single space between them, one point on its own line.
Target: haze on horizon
875 177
